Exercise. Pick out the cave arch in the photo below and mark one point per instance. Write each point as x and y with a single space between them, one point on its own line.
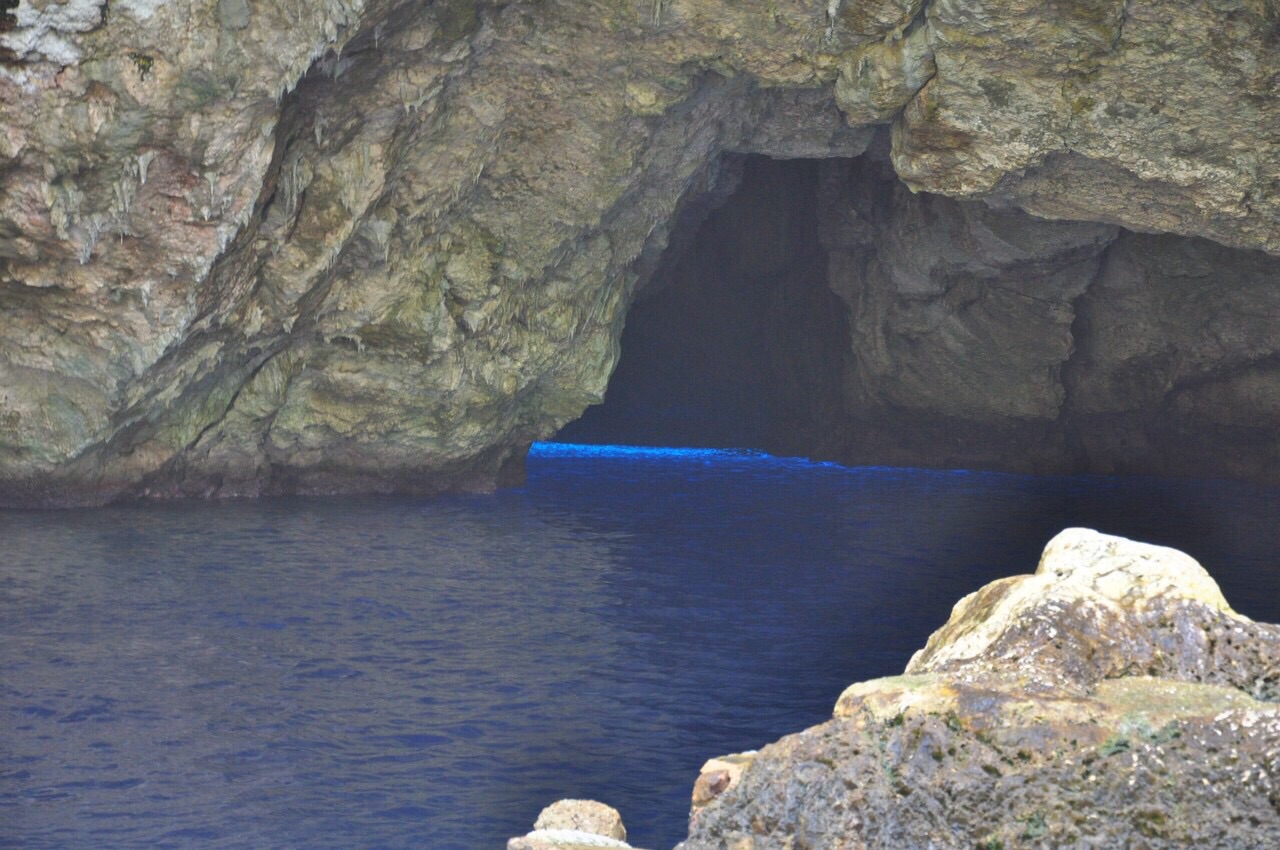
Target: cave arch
390 245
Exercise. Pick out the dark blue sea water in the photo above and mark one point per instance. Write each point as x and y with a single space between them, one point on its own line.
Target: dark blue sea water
348 673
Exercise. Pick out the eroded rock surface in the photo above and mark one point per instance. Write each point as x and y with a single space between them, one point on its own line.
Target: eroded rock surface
984 336
962 318
1103 111
575 825
1113 699
393 276
371 245
826 310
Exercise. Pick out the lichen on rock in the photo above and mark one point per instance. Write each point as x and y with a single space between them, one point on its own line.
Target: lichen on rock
1112 699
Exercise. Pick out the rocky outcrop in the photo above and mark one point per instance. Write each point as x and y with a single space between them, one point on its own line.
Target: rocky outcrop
1103 111
1112 699
371 245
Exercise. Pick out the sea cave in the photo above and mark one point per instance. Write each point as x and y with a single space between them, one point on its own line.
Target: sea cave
441 425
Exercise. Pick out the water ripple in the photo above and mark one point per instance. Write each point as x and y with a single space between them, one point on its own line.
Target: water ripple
406 673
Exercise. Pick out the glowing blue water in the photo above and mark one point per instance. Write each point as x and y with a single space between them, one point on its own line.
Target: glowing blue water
404 673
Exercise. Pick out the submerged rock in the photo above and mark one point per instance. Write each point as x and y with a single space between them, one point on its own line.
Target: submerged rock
1112 699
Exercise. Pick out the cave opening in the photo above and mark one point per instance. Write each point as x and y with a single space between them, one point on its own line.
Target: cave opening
820 308
736 340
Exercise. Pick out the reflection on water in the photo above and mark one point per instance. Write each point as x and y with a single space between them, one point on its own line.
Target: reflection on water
398 672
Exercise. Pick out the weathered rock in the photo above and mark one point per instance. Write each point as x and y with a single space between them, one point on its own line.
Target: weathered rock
1174 371
574 824
584 816
563 839
374 245
392 278
976 335
1103 111
719 775
709 785
961 318
1102 608
1113 699
982 336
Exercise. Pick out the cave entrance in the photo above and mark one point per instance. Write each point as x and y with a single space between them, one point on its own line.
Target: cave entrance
821 308
736 340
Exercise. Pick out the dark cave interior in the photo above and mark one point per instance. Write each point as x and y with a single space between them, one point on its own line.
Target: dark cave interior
736 341
819 308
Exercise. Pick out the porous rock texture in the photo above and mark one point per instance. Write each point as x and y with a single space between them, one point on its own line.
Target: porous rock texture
1113 699
574 825
330 245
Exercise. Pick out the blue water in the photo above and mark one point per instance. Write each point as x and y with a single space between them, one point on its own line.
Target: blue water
345 673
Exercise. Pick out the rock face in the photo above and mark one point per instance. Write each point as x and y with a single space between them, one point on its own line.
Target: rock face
984 336
1113 699
373 245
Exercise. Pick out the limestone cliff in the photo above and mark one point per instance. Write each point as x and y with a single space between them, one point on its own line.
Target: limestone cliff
369 245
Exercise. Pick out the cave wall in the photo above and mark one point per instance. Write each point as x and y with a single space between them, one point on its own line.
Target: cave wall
371 245
985 337
1176 368
962 319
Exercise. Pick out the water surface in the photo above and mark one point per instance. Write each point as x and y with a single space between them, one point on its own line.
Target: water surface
343 673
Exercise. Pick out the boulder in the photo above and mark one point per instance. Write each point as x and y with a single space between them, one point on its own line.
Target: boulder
573 824
1112 699
583 815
